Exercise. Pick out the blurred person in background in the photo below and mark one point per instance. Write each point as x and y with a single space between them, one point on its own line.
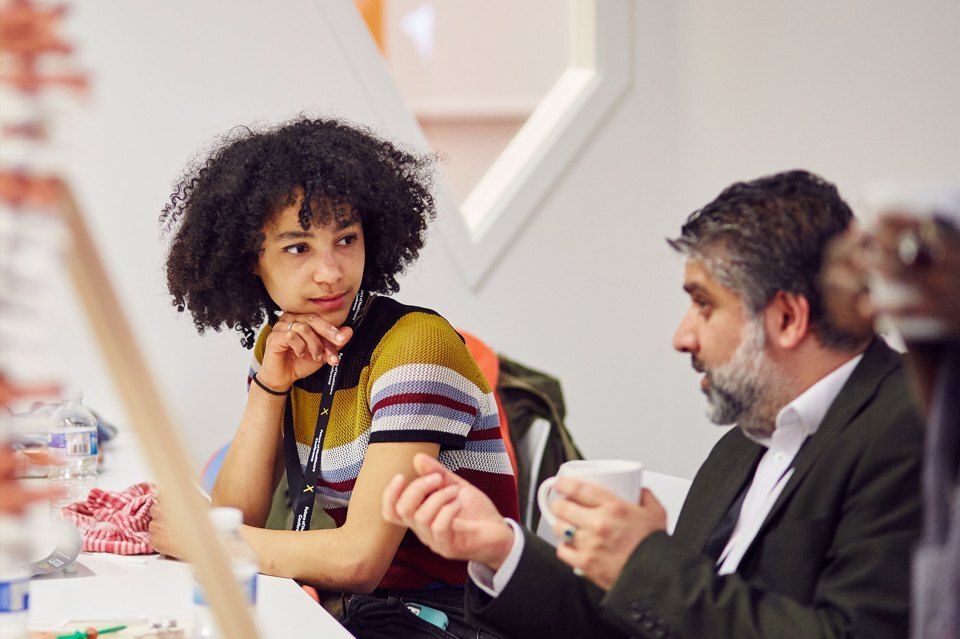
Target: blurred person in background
907 269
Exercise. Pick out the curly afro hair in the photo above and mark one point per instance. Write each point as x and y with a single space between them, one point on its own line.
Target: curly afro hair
218 209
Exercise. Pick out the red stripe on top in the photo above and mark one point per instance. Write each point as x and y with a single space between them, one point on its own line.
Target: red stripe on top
500 488
340 486
338 515
487 433
424 398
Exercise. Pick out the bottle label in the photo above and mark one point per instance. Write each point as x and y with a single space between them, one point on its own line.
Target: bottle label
73 443
250 590
14 595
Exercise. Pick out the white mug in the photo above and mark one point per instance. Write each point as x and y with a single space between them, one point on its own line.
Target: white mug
621 477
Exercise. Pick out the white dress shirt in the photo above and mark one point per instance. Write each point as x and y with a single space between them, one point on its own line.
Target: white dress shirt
795 422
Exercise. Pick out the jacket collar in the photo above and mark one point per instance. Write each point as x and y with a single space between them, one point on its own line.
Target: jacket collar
879 361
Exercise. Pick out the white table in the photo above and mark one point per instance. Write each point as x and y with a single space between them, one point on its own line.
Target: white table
110 587
107 587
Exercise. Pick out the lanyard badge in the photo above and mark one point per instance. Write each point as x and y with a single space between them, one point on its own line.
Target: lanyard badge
303 483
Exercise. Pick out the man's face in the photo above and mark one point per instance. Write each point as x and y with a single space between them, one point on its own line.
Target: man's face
726 344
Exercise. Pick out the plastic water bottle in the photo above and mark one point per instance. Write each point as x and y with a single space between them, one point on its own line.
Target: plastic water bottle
73 447
15 549
243 563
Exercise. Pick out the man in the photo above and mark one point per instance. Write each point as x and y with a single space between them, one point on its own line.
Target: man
800 521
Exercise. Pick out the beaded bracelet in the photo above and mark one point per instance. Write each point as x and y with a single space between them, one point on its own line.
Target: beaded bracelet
269 390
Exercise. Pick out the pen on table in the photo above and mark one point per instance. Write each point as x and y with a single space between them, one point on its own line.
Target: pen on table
91 633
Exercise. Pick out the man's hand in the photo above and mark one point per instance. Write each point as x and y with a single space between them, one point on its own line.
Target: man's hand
449 514
608 529
299 345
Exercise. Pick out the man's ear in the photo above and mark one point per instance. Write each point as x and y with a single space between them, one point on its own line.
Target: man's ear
787 319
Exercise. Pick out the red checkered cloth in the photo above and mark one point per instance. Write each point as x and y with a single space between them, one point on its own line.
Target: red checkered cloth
115 522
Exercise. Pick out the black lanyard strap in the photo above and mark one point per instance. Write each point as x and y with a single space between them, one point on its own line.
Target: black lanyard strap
303 483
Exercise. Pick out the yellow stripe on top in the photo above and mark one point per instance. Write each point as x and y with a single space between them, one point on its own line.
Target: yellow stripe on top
424 338
419 348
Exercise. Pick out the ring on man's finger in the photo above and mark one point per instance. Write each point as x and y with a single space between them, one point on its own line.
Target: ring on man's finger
568 534
290 325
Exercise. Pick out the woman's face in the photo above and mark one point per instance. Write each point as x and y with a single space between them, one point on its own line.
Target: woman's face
315 271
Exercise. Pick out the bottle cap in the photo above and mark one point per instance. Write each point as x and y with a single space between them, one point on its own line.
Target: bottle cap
226 519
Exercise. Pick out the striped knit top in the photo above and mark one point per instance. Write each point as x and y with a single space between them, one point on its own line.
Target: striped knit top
406 376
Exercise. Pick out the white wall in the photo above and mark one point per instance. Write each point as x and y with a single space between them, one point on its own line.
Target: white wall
167 77
721 92
589 290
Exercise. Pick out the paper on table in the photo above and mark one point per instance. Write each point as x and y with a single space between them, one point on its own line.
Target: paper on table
66 542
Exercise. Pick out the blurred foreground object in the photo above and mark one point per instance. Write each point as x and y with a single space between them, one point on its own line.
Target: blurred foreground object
914 258
902 266
35 68
33 59
905 267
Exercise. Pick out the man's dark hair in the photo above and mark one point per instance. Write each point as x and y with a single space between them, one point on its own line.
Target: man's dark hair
218 209
770 235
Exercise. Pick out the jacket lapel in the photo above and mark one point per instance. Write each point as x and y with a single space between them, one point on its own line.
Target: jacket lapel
717 484
879 360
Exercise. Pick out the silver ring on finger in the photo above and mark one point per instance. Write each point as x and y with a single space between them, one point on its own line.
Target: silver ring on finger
290 325
568 534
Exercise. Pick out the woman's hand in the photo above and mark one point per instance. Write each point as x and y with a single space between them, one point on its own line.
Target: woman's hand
299 345
165 538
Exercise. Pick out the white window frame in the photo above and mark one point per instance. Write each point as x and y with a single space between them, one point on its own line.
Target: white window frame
478 232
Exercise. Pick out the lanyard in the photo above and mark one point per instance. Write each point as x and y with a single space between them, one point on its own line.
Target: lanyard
302 483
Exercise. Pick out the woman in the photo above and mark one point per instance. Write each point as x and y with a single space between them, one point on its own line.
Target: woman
298 228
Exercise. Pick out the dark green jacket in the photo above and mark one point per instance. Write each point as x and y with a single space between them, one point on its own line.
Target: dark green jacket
831 559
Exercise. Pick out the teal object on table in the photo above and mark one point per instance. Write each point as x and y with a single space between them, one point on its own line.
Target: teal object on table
85 634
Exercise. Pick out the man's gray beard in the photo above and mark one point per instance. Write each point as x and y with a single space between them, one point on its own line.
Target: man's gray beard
742 390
